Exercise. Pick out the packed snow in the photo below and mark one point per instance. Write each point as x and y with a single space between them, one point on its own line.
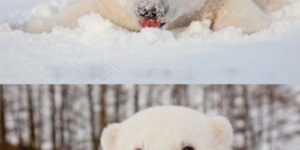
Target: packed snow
99 52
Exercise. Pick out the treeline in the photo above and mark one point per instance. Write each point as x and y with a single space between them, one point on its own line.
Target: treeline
71 117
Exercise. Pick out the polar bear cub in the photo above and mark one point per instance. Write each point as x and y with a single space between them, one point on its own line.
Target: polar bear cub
248 15
169 128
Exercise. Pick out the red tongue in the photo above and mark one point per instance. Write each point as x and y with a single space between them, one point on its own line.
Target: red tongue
150 23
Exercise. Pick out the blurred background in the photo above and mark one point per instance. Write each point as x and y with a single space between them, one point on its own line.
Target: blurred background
71 117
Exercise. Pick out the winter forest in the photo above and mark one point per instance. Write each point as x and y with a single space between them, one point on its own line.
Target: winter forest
71 117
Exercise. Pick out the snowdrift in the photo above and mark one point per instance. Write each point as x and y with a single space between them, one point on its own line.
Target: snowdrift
99 52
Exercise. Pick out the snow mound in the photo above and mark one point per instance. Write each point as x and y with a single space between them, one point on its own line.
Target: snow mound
99 52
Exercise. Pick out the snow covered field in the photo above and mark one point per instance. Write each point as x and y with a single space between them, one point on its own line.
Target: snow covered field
99 52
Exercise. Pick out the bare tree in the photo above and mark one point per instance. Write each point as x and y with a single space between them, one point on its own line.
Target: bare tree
205 99
17 117
103 107
94 136
53 116
40 117
64 99
3 140
31 117
272 99
118 100
180 95
248 130
150 97
136 98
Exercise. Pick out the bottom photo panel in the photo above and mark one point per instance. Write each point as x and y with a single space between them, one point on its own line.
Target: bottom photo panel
149 117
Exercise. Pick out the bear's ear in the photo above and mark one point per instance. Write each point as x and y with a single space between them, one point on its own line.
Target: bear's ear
109 137
222 131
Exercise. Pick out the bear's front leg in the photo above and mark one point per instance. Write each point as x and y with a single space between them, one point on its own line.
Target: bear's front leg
243 14
270 5
67 17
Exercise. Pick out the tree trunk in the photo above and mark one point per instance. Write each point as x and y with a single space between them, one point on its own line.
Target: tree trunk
64 99
136 98
180 95
52 117
150 98
19 118
94 138
2 117
271 99
103 107
31 121
39 111
118 97
205 99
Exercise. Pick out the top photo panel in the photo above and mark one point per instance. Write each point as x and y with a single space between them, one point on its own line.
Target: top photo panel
150 41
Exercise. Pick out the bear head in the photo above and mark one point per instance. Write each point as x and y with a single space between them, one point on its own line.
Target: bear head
169 128
158 13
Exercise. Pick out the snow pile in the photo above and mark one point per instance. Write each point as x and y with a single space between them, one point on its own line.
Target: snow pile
98 51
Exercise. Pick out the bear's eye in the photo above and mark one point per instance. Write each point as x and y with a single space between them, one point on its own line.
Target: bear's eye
188 148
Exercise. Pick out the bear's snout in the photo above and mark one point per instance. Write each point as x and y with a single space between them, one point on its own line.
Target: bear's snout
151 13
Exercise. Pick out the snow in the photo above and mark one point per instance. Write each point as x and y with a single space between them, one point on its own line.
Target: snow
99 52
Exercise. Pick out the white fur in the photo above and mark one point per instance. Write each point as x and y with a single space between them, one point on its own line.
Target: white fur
169 128
112 10
244 14
270 5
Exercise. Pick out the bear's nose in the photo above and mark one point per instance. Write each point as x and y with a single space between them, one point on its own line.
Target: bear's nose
151 9
149 13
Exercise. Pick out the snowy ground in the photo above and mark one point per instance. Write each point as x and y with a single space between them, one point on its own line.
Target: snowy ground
100 52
